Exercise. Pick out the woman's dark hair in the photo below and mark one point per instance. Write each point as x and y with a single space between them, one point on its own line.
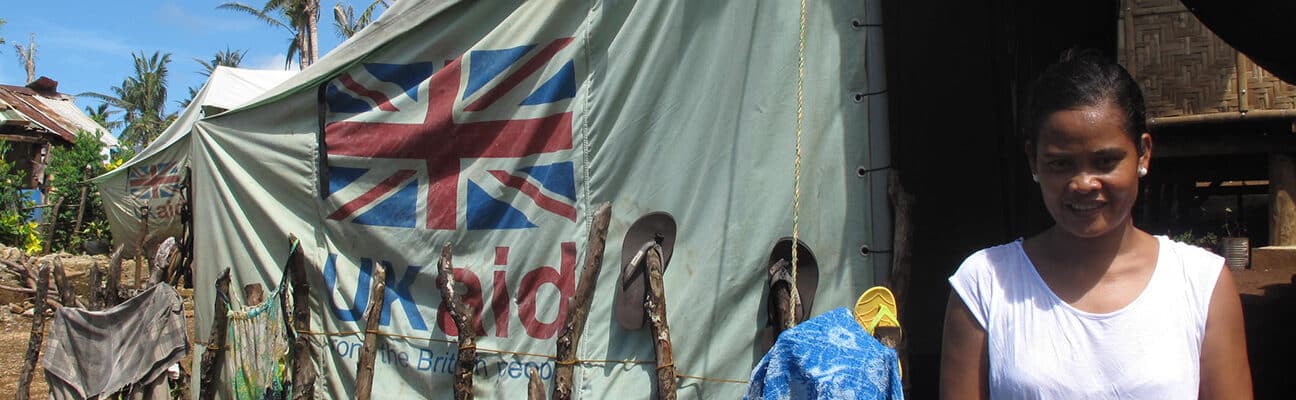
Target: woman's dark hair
1083 78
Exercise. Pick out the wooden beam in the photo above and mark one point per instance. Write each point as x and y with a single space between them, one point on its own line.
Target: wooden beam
569 339
373 313
112 285
1282 199
535 387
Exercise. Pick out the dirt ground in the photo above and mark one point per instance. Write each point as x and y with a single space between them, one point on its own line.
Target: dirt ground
15 318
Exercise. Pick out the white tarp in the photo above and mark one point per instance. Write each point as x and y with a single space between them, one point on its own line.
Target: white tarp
153 176
499 127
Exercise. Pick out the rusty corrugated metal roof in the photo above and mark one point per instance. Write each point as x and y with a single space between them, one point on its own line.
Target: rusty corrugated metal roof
35 106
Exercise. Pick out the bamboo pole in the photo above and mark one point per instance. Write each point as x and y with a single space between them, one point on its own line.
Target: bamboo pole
112 285
655 303
215 354
462 315
37 334
569 339
535 387
373 313
303 354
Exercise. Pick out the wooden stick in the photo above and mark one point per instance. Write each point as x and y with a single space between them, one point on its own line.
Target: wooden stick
535 387
569 339
215 354
373 313
303 354
22 290
158 265
655 303
76 229
112 286
785 316
96 286
139 246
37 334
53 222
67 295
462 315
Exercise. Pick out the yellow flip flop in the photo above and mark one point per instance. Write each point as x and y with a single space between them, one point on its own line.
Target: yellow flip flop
876 308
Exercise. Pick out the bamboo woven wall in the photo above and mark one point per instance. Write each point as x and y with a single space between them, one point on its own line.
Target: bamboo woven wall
1185 69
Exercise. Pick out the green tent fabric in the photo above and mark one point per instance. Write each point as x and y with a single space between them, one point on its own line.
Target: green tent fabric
153 176
499 127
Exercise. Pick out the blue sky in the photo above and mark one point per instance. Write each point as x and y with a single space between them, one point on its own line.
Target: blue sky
87 45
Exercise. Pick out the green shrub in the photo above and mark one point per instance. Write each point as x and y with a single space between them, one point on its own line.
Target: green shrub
70 168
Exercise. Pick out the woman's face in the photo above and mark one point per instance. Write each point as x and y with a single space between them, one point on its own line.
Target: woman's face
1088 169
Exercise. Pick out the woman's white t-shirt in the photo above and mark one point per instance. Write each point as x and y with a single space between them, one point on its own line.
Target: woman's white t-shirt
1040 347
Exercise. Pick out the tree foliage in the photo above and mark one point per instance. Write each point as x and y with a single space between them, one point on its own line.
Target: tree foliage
348 23
299 17
69 169
142 100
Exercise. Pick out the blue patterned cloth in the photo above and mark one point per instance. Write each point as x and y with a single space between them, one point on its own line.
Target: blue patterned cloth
827 357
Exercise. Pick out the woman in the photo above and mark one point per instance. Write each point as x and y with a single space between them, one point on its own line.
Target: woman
1092 307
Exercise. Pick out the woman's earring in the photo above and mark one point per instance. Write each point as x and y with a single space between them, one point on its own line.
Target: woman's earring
1036 177
1142 171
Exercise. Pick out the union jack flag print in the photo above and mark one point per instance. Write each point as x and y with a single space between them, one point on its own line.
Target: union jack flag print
483 143
156 181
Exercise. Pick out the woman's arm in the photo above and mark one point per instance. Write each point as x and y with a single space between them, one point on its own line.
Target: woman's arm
964 362
1225 372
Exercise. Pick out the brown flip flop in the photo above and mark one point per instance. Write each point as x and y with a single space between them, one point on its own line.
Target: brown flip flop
807 274
656 227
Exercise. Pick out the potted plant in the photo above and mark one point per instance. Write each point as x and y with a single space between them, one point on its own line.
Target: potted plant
1235 246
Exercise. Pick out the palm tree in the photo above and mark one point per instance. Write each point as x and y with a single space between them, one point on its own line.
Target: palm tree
2 22
347 23
142 99
222 58
103 116
27 57
298 17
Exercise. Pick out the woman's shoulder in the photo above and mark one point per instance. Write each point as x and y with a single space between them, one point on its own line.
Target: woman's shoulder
990 259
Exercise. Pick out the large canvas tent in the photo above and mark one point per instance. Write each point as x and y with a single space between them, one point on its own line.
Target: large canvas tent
153 176
499 127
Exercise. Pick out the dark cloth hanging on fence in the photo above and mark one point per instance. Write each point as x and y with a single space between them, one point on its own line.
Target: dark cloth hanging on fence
97 353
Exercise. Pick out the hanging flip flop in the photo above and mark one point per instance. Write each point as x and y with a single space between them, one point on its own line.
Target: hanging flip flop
655 227
875 309
807 273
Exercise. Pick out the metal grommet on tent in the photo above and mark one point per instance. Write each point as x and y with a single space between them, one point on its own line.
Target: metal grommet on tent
857 24
653 229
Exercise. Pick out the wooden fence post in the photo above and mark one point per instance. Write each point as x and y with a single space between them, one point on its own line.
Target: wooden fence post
76 229
462 315
655 303
303 354
37 333
569 339
373 313
53 223
112 285
67 295
139 246
214 357
535 387
96 286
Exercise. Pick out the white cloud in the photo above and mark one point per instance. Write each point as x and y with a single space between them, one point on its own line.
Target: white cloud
100 42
